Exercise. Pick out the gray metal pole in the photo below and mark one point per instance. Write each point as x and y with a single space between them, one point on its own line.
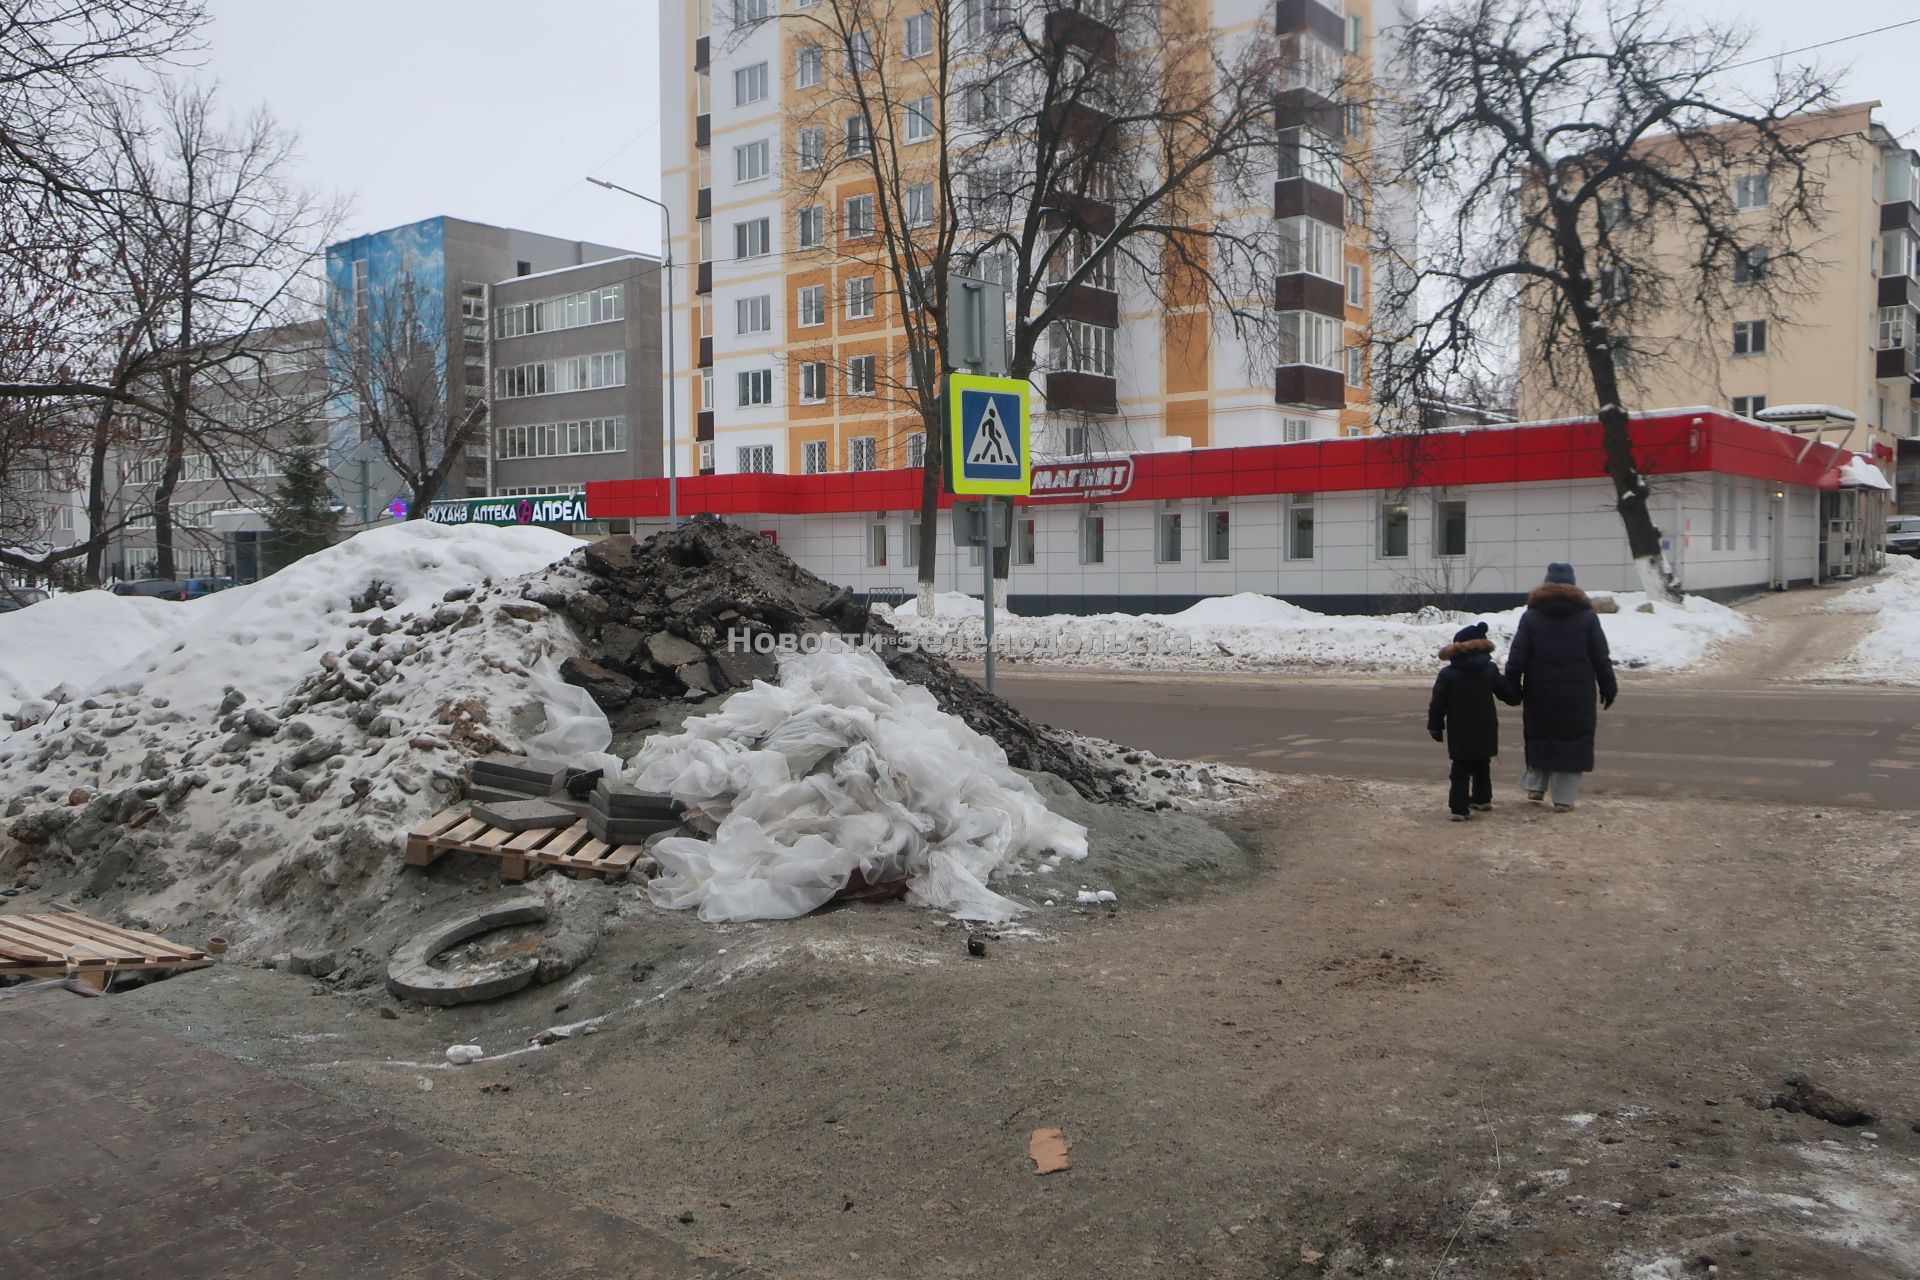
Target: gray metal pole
673 366
986 562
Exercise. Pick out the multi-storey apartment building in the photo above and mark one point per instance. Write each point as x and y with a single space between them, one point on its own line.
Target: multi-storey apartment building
796 331
1849 338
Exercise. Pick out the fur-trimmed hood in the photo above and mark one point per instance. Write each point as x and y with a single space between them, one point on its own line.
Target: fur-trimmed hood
1463 648
1558 598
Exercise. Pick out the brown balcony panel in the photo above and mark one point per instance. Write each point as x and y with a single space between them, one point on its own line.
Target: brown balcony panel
1082 392
1898 291
1302 292
1082 30
703 425
1073 210
706 471
706 352
1893 364
703 278
1079 122
1296 107
703 203
703 130
1088 304
702 52
1306 15
1310 386
1294 197
1896 214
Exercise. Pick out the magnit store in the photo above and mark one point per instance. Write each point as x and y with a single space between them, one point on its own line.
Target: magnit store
1465 517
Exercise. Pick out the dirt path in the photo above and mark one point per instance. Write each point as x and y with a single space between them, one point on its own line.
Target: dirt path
1518 1047
1791 640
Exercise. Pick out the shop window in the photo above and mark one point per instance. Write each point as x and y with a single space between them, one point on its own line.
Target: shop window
1393 529
1300 527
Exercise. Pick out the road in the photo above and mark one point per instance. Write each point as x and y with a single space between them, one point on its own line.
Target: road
1816 745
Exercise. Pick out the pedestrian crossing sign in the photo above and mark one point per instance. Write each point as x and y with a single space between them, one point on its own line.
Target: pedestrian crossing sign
990 444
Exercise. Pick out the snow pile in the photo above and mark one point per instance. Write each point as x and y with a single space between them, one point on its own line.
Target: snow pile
1861 473
1256 632
72 640
1890 652
842 768
946 604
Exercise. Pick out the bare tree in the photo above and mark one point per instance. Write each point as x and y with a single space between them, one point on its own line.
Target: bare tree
389 368
1561 155
1052 146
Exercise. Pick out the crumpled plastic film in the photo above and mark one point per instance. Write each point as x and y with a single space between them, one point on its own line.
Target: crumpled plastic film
576 729
841 767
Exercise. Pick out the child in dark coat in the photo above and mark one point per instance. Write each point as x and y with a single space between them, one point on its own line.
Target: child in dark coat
1463 716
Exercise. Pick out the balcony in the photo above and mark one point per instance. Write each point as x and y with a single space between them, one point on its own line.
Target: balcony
1898 214
1308 386
703 129
1896 291
702 53
703 425
703 278
1898 364
1087 303
1299 291
706 352
1081 123
703 203
1080 30
1310 15
1069 210
1082 392
1298 108
1295 197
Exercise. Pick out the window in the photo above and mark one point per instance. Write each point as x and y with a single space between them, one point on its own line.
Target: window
753 238
812 148
1310 63
859 52
919 120
1750 265
568 311
1610 284
1900 254
1613 213
1023 541
860 298
1750 191
1166 543
1450 526
756 387
912 542
1309 245
917 449
753 315
705 226
706 455
755 457
860 379
1306 153
1891 329
749 84
806 67
1078 347
813 454
1295 430
1748 406
859 141
991 102
1356 209
877 543
558 439
1393 529
706 389
813 305
813 390
549 377
862 453
1306 337
1356 33
919 35
1356 285
751 162
1749 337
1719 504
811 227
920 204
747 12
1300 527
1216 538
1356 366
1093 537
857 223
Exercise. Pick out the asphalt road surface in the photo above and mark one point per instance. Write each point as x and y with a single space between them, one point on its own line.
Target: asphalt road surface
1815 745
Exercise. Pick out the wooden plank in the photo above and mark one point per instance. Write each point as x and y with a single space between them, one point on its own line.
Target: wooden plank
53 942
534 838
422 852
491 838
624 856
463 832
563 845
440 823
131 943
589 853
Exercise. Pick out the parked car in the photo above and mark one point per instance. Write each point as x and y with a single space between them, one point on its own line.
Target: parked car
197 587
157 588
12 598
1903 536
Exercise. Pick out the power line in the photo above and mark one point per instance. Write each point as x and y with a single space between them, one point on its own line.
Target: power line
1809 48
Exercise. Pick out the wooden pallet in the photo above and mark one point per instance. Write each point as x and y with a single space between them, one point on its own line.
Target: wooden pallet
572 849
66 944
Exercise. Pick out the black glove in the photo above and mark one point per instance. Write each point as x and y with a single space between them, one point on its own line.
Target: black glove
1606 703
1439 735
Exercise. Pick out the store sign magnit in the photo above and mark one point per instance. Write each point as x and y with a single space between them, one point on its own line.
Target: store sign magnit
539 508
1082 479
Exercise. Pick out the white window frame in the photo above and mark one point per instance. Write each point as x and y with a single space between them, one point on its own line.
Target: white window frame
753 314
1356 366
1356 284
917 35
752 162
813 385
1169 534
810 149
1750 334
754 388
1092 536
1307 337
810 227
813 458
860 298
860 375
919 120
853 228
749 84
859 140
863 452
812 304
744 238
1026 540
1311 246
808 66
917 449
1752 191
1295 430
706 455
919 204
754 459
1220 516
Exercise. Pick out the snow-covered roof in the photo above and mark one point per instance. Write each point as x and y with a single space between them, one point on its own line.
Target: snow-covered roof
1860 473
1802 412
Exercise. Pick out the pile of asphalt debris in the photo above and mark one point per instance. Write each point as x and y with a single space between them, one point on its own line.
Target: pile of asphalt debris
697 611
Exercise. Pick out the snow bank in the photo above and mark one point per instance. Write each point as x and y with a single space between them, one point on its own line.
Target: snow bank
1890 652
956 604
1250 631
75 639
841 768
264 637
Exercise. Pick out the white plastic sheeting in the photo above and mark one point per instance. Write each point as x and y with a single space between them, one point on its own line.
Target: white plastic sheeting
841 767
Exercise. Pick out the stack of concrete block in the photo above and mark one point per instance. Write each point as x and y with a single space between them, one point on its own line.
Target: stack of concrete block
622 815
505 778
523 815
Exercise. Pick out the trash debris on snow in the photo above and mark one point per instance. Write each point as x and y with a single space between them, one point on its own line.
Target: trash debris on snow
1047 1148
461 1054
842 768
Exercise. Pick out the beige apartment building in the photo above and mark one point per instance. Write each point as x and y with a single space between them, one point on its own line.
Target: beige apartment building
1846 338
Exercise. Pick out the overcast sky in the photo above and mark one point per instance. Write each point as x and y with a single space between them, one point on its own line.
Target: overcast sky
494 110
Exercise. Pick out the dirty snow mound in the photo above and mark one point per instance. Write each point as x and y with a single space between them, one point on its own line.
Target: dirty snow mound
842 768
72 640
1890 652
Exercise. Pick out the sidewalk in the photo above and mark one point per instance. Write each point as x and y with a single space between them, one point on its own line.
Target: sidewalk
135 1154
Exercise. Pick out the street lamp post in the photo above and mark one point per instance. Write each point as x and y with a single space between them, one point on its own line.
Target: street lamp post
673 368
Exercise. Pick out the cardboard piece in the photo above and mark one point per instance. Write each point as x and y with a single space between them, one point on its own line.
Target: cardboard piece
1047 1148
